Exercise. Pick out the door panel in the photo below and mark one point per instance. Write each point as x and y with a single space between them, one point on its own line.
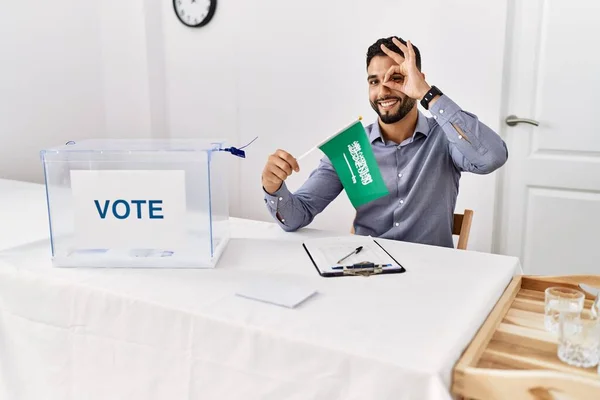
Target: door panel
556 238
567 74
550 202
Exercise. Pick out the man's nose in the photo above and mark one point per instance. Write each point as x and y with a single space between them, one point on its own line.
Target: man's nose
383 90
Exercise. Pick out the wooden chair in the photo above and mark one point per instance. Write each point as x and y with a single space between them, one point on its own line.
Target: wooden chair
461 228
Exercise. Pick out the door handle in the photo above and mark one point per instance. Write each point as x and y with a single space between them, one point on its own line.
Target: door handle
513 120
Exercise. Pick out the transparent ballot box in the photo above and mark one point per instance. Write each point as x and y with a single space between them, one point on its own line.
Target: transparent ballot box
137 203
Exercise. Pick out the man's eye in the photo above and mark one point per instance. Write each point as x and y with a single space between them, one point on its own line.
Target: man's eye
398 78
373 82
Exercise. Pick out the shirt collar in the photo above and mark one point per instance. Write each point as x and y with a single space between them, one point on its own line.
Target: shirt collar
422 127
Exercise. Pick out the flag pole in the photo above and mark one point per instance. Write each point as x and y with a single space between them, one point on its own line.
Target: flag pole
324 141
307 153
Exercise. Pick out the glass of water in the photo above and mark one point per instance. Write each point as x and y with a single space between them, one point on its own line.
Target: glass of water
579 346
562 301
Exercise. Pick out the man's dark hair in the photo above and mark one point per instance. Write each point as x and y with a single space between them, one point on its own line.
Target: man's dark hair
375 50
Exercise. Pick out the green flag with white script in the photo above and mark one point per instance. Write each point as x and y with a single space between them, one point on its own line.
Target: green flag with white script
353 159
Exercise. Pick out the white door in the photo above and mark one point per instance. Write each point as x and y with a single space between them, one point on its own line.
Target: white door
549 208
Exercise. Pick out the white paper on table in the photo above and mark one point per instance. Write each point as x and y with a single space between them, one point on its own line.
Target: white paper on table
277 292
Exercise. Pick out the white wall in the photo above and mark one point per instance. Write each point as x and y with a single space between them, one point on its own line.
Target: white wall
71 70
290 73
51 84
293 72
125 67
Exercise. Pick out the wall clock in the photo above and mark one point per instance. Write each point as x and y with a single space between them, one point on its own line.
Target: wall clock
195 13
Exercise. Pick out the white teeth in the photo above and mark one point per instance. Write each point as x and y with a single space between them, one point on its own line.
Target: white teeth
387 103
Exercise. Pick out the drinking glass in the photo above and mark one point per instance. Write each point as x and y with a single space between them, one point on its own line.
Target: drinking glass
562 301
596 307
579 341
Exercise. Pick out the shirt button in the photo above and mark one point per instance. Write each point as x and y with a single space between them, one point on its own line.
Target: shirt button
272 202
281 198
401 201
435 117
459 137
399 175
397 224
282 220
441 111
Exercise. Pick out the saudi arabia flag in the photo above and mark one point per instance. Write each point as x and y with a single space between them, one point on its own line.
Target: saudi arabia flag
353 159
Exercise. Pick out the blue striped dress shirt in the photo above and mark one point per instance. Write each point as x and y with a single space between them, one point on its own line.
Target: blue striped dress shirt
421 173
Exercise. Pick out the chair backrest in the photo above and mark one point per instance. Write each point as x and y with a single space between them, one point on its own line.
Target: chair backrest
461 227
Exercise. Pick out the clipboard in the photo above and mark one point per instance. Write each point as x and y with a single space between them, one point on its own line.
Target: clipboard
375 260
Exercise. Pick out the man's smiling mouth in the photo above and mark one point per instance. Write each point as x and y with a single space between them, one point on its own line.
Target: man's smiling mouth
386 104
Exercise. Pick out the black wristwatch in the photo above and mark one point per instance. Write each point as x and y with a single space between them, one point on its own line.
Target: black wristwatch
429 96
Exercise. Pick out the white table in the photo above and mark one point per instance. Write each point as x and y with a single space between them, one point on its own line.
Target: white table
183 334
23 213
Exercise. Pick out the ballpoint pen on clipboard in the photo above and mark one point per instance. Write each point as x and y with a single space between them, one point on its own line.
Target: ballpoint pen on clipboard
355 251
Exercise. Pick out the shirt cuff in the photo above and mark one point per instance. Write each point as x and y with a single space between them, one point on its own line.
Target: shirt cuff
443 110
277 199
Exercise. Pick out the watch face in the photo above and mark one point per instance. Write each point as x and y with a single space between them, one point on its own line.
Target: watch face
194 13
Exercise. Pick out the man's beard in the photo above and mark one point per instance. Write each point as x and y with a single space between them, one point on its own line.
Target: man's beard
388 118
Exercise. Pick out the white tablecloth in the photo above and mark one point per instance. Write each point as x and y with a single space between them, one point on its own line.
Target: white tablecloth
74 334
23 213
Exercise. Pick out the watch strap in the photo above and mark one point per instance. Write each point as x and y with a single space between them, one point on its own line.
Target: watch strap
434 91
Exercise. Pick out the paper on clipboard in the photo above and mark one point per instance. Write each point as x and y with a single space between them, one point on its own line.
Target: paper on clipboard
325 252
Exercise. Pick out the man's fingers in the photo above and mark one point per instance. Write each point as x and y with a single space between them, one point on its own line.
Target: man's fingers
282 165
270 176
392 54
273 178
288 158
401 46
292 161
395 69
271 182
411 51
394 85
278 174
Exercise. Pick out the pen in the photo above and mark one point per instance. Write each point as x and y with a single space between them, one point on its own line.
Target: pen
355 251
358 266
